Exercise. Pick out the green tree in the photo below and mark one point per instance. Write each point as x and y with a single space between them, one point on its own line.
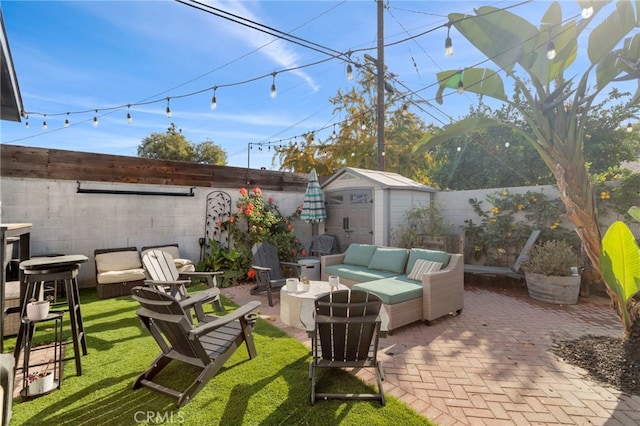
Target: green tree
355 143
557 107
172 145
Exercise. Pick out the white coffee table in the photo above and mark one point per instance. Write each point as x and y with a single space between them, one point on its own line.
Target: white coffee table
292 304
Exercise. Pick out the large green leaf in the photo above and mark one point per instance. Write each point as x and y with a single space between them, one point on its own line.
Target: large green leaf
606 36
497 33
620 261
459 128
483 81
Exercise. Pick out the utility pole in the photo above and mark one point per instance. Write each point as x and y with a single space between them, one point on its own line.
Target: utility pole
380 89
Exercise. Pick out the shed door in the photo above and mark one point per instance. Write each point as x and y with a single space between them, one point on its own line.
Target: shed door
350 216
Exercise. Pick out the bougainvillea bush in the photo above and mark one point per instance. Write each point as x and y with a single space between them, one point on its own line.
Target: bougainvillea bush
257 220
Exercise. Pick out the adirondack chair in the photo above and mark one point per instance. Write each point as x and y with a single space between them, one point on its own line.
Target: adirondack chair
207 346
348 324
509 271
164 275
269 269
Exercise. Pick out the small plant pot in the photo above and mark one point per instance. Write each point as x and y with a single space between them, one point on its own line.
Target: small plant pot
42 384
37 311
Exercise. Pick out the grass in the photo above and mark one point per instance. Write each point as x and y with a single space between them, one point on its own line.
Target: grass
271 389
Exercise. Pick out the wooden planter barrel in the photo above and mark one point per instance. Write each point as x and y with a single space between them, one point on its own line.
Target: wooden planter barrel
553 289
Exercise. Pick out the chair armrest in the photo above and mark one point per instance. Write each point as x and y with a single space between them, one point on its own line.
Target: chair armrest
207 327
209 276
260 268
167 283
199 298
332 259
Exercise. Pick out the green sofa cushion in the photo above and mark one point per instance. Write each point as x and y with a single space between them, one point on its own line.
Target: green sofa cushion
393 290
357 273
432 255
359 254
389 259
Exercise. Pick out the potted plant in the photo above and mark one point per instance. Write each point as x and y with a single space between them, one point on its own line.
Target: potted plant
551 272
41 381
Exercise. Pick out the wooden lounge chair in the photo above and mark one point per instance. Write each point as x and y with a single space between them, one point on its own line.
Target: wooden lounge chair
160 267
509 271
269 269
348 324
207 346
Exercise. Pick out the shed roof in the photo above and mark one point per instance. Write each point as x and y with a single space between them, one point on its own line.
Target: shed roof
386 180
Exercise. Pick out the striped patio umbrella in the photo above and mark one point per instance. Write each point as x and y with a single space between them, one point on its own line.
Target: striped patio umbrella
313 210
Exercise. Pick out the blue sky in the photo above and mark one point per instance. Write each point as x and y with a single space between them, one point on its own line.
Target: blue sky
85 55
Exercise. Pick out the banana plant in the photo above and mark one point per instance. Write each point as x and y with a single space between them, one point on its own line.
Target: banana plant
556 107
620 266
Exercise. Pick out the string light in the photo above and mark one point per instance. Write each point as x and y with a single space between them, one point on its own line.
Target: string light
273 86
214 101
44 123
363 126
587 12
168 111
551 50
26 123
448 45
629 128
334 136
129 119
349 72
95 119
460 87
506 144
66 122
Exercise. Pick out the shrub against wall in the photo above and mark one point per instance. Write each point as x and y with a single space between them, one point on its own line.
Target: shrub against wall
500 232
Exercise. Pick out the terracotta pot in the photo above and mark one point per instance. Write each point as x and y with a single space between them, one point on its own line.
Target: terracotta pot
553 289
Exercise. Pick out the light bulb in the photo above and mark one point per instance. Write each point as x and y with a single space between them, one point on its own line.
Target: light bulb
273 90
214 103
44 125
363 126
349 72
448 47
458 149
129 119
506 144
460 87
551 51
587 12
95 121
26 125
629 128
66 123
383 153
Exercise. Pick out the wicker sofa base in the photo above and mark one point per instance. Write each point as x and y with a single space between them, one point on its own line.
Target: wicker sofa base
11 322
107 291
404 313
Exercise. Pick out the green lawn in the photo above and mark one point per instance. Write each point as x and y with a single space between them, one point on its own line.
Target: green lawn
272 389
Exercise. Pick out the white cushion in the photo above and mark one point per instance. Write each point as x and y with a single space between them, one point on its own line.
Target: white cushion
120 276
118 261
421 267
174 251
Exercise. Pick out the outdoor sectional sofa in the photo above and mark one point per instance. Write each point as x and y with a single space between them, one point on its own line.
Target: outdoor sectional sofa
408 295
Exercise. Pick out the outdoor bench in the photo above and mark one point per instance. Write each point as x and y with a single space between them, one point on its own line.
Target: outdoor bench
414 284
118 270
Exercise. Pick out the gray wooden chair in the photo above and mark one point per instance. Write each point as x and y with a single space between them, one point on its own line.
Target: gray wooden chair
269 269
207 346
164 275
348 325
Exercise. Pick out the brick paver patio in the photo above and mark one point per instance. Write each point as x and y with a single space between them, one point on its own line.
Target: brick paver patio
491 365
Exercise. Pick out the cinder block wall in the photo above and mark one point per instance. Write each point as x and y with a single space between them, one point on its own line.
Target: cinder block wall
67 222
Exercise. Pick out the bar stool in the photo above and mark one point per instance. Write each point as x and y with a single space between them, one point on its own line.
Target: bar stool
36 272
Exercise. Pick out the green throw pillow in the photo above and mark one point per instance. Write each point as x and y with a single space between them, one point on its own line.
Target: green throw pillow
389 259
359 254
432 255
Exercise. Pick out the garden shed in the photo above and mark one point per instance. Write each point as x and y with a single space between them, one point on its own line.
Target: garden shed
364 206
